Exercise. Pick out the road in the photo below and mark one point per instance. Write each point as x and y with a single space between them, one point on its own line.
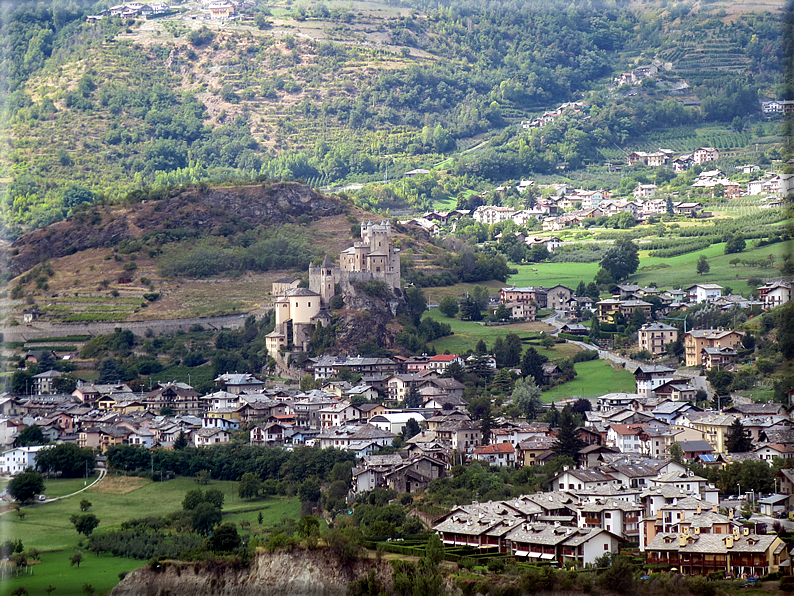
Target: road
42 329
699 381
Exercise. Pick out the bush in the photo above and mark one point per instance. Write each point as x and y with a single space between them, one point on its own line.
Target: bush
585 356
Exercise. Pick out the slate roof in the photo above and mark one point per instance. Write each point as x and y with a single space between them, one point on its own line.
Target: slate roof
712 543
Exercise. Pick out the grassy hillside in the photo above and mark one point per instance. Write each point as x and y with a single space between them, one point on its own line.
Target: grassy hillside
334 93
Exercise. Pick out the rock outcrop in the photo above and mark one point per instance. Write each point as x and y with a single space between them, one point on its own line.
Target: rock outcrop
179 213
293 573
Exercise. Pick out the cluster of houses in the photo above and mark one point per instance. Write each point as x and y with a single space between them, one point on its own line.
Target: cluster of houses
658 503
549 117
212 9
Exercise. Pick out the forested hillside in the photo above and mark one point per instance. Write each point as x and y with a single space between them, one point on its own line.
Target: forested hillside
333 94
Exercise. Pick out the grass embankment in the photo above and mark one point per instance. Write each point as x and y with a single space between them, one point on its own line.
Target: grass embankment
593 378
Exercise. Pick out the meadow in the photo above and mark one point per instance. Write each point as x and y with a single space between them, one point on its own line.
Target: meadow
672 272
593 378
468 333
54 569
46 526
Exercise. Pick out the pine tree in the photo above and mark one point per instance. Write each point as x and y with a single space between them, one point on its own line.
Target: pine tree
181 441
568 441
532 365
738 439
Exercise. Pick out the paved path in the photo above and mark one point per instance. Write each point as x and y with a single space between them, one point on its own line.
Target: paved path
102 474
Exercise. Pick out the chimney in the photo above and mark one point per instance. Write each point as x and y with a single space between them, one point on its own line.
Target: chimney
715 508
682 539
730 513
745 531
736 533
729 541
658 514
700 509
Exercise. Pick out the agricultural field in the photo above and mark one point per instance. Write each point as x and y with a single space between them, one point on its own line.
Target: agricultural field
593 378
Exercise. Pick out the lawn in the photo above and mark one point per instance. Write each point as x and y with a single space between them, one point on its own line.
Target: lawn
46 526
101 571
593 378
57 487
468 333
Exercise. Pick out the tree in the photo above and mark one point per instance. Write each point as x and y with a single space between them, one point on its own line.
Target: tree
250 486
676 451
411 429
526 396
192 499
25 486
309 491
205 517
738 439
76 559
308 383
309 530
470 310
568 442
67 459
734 243
85 505
224 538
203 477
621 260
181 441
595 328
89 589
669 206
413 399
501 313
215 497
31 435
703 266
434 549
448 306
84 523
581 405
638 318
20 591
532 365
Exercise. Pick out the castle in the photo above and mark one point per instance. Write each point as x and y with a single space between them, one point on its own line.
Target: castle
374 258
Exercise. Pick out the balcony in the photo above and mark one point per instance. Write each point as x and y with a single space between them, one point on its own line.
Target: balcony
592 520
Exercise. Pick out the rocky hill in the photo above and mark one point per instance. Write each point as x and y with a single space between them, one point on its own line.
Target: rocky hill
180 213
298 572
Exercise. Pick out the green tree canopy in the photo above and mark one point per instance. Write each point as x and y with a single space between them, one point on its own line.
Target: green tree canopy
621 260
25 486
568 442
526 396
738 439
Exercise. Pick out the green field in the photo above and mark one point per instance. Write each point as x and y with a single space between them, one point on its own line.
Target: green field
679 271
468 333
57 487
46 526
593 378
101 571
